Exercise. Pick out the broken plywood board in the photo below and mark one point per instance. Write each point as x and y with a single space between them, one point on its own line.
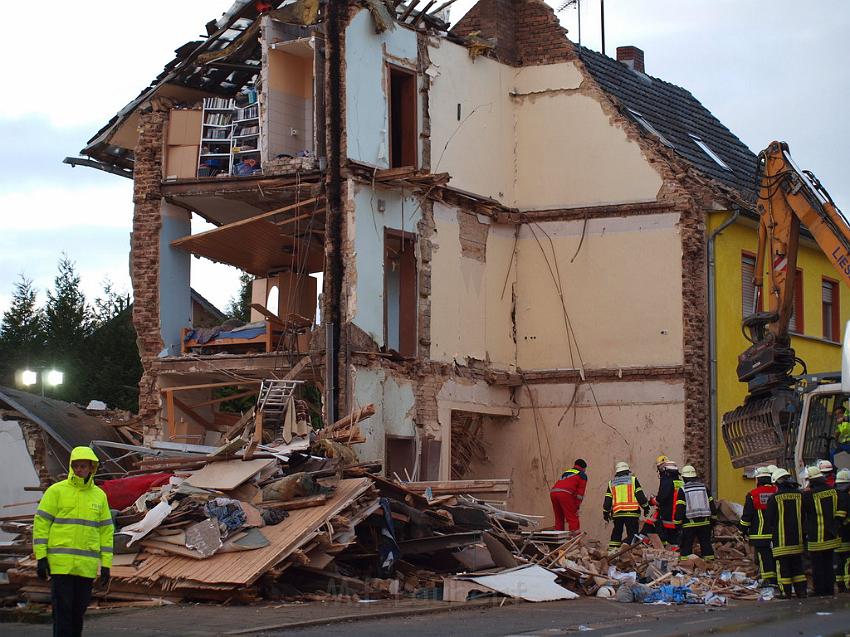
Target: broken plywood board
531 583
223 476
243 568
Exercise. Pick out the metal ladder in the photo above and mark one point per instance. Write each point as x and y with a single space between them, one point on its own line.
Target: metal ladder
273 398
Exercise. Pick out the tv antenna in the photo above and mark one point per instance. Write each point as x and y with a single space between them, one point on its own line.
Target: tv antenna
569 3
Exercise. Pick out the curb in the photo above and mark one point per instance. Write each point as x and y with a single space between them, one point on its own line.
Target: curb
401 612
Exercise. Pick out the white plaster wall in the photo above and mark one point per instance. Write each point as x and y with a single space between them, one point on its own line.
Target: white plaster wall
478 149
16 472
366 301
622 293
569 154
366 55
394 402
642 420
470 316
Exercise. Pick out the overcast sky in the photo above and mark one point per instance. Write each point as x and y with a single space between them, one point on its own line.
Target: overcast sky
768 70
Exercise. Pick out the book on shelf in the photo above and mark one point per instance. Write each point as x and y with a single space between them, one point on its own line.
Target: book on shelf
218 103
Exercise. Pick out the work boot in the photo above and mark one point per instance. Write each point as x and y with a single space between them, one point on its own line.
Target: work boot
801 590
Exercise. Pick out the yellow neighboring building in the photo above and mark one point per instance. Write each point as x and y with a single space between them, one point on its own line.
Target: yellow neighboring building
822 307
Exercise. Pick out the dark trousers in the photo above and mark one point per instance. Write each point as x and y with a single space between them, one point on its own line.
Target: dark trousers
842 569
823 572
789 571
701 533
671 536
70 595
766 563
630 524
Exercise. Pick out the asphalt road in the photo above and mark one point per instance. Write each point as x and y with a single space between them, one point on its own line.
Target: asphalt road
815 618
811 618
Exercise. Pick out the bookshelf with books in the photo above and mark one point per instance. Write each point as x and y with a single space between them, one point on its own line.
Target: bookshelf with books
245 140
214 158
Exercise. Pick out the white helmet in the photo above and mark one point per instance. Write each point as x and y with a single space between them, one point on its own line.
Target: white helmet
763 472
689 472
825 466
621 466
777 475
842 477
813 472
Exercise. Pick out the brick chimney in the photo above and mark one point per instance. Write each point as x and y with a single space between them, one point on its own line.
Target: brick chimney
631 56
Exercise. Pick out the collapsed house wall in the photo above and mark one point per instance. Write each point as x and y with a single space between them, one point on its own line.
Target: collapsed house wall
473 273
602 273
560 422
366 84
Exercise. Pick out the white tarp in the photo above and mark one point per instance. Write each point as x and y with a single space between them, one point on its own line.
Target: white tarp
532 583
147 524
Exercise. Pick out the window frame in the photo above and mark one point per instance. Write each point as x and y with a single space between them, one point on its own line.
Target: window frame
798 315
412 138
835 310
745 254
708 151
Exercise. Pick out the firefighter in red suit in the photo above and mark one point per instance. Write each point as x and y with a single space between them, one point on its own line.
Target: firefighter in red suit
567 495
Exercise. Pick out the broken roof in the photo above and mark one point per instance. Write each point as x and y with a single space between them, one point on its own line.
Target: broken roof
67 424
677 116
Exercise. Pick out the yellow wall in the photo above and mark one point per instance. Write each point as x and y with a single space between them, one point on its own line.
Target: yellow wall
819 355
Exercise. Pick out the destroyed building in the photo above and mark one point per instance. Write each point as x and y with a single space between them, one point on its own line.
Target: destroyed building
511 233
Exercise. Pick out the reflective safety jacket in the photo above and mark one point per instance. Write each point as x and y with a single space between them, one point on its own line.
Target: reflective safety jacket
752 520
784 520
842 433
820 506
73 526
574 482
625 497
843 515
699 505
670 499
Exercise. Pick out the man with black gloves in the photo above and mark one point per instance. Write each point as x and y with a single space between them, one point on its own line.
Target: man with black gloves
72 536
753 525
624 501
784 521
820 524
699 517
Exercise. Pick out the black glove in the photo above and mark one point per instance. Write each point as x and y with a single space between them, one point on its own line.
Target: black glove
43 568
606 516
104 576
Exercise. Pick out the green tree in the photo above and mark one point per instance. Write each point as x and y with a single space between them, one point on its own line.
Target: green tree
111 359
68 322
21 332
240 305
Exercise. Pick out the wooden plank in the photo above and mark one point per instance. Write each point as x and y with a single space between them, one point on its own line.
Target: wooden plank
169 410
257 438
229 474
224 399
244 568
166 390
265 312
239 425
296 503
242 222
292 374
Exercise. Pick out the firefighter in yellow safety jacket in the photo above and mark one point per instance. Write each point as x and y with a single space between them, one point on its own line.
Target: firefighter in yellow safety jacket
72 537
624 501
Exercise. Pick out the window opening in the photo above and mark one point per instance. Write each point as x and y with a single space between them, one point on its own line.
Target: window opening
402 118
710 152
830 310
649 128
796 323
400 313
748 288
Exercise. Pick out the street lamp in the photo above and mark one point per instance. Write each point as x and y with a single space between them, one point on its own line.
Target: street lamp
52 377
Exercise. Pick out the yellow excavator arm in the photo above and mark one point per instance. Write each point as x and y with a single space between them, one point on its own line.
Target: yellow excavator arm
764 427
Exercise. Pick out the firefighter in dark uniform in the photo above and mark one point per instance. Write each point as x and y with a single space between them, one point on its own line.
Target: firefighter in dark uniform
842 572
784 522
670 502
623 503
753 526
700 515
820 508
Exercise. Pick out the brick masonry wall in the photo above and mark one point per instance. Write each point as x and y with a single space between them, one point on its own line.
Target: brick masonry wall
526 32
144 258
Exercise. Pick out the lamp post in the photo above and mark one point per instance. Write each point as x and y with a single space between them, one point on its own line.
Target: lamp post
53 377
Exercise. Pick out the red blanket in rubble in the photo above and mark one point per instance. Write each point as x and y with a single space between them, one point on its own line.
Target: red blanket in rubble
122 492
